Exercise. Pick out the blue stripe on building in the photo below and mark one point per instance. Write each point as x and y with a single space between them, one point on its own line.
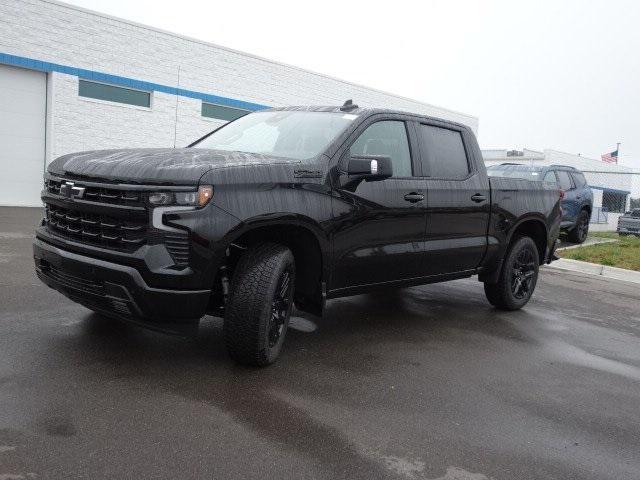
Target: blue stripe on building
39 65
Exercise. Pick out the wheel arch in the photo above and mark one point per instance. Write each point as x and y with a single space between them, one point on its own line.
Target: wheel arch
531 226
306 240
536 229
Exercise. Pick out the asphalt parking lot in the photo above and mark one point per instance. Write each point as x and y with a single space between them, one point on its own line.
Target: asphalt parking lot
422 383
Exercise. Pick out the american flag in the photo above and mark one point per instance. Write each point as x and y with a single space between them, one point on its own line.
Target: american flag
610 157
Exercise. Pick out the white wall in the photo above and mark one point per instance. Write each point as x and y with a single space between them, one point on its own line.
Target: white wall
597 197
58 33
610 226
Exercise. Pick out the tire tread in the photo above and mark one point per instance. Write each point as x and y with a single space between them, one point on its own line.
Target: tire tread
249 302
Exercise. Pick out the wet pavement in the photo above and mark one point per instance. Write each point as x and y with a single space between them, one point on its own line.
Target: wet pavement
423 383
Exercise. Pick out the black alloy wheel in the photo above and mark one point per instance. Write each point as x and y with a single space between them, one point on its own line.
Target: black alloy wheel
523 272
280 308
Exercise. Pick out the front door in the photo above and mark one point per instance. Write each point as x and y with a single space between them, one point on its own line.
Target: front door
380 225
458 199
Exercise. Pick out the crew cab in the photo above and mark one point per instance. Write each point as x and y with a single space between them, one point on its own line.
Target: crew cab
288 206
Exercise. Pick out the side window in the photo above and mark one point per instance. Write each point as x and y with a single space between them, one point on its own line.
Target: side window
443 154
387 138
578 179
564 180
550 177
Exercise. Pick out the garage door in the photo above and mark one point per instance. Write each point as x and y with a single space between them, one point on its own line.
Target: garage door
22 135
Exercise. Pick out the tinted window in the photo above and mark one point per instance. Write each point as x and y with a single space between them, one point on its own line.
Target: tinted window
443 152
578 179
550 177
112 93
222 113
389 139
564 180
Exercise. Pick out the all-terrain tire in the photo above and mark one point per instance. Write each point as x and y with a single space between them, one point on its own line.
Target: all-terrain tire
501 294
578 234
249 328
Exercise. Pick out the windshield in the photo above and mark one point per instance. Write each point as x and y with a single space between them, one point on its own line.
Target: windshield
515 171
289 134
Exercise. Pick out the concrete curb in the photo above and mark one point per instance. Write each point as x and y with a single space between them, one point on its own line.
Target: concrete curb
589 243
596 269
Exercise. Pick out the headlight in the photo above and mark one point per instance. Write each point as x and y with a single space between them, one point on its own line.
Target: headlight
197 198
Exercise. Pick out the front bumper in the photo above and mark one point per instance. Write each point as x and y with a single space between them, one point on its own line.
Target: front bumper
116 290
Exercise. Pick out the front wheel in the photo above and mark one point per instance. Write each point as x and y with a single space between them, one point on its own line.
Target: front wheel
579 233
257 312
518 276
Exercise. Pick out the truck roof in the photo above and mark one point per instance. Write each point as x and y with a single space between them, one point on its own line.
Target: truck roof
356 110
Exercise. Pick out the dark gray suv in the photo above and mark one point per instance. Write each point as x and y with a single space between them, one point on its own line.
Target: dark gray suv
577 200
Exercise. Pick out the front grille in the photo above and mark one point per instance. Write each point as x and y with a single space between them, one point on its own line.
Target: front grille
77 283
96 229
108 217
107 195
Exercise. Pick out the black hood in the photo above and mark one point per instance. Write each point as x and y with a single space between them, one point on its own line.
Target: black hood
175 166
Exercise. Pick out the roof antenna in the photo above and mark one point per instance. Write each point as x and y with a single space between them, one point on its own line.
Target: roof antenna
348 106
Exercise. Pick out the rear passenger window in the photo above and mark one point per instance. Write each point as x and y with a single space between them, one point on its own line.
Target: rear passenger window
387 138
443 153
565 180
578 179
550 177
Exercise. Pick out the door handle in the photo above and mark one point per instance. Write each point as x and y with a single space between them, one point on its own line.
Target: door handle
414 197
478 198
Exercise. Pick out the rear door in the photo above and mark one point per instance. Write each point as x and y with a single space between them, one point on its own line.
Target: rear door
458 198
570 203
584 196
380 225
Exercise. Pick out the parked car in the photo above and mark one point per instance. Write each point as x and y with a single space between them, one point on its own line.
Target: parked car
629 223
577 197
283 206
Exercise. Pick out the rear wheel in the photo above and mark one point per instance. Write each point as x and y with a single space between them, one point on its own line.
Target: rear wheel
518 276
579 233
257 312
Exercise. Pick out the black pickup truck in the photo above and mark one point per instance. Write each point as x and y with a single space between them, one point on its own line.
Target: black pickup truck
288 206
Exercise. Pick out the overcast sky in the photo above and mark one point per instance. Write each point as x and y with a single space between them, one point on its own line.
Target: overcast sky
539 74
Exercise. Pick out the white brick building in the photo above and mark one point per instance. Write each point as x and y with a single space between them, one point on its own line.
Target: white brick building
72 79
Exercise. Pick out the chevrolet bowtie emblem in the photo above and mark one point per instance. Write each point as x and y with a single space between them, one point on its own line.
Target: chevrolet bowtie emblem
69 190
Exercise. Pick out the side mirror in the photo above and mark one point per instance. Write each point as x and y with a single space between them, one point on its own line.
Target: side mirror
370 167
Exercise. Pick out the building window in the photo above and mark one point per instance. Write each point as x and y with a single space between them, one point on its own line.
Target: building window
222 113
111 93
